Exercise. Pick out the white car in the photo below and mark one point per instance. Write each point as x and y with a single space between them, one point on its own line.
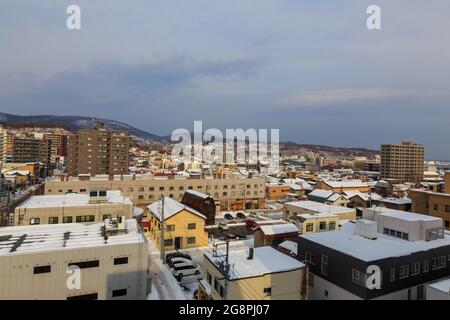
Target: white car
178 260
185 269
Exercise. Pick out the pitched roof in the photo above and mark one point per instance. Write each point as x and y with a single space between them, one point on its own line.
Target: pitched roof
171 207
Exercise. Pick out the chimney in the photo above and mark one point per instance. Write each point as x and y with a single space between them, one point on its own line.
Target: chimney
250 253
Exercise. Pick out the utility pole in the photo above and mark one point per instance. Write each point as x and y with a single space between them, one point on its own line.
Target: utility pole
224 268
162 230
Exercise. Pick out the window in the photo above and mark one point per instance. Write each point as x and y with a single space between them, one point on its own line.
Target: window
106 216
311 279
102 193
170 227
425 266
191 240
221 291
119 293
325 293
322 225
309 227
386 231
216 285
67 219
420 295
42 269
53 220
332 225
161 188
405 236
435 206
85 218
90 296
392 275
168 242
415 268
35 221
447 224
85 264
324 265
404 272
308 257
439 263
123 260
434 234
267 292
192 226
447 208
209 278
356 276
151 189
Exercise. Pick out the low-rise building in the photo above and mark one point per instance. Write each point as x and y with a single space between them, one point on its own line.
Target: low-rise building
256 274
202 203
184 227
432 203
329 197
74 262
273 235
275 191
312 223
344 185
71 207
312 207
439 290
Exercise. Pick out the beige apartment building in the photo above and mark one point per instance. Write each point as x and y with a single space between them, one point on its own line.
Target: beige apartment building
233 193
98 151
318 209
96 206
403 162
255 274
74 262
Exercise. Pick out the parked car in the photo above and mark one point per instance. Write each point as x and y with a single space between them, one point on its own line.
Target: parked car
241 215
251 224
223 226
169 256
178 260
183 269
228 216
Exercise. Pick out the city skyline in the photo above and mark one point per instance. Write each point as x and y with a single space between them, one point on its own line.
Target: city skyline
312 70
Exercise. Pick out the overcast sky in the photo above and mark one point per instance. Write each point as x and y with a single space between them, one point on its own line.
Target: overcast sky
310 68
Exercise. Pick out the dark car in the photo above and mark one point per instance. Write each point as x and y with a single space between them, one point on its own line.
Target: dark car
240 215
169 256
228 216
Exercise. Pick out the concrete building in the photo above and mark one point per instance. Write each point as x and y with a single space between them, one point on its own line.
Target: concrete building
312 223
390 255
275 191
71 207
314 208
261 274
98 151
273 235
184 227
74 262
403 162
26 149
343 186
233 193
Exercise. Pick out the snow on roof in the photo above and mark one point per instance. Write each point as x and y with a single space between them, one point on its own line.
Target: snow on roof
319 207
403 215
319 215
279 228
137 211
289 245
266 260
198 194
319 193
345 240
443 285
72 199
171 207
399 201
347 184
42 238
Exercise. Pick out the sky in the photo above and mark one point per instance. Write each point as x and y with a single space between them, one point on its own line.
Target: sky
309 68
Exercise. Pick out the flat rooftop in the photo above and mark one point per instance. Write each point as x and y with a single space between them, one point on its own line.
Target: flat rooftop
345 240
72 199
266 260
54 237
443 286
403 215
320 207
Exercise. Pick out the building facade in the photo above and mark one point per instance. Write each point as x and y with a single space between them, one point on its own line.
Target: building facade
73 262
229 194
98 151
403 162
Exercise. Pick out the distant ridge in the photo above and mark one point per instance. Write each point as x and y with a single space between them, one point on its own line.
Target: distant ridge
73 123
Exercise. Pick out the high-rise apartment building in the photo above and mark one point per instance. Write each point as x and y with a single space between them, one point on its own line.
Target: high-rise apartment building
27 149
98 151
403 162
